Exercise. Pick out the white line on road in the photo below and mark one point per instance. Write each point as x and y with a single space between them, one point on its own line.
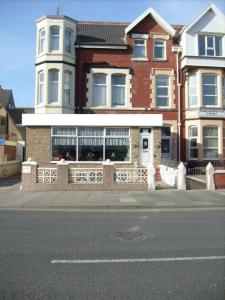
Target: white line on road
135 260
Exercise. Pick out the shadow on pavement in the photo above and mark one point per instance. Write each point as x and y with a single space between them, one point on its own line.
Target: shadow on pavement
10 181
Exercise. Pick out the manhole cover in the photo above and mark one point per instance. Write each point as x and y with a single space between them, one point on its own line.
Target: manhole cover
128 236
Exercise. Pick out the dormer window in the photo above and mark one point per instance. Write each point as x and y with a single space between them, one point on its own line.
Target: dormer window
210 45
139 49
54 36
68 41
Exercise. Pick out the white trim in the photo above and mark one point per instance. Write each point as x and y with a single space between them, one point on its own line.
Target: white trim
140 36
100 46
156 17
139 59
116 120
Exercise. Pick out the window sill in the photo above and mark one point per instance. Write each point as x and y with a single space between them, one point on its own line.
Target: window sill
139 59
160 59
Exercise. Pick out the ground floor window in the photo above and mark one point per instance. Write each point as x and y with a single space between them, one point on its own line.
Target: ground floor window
166 142
90 144
210 142
193 142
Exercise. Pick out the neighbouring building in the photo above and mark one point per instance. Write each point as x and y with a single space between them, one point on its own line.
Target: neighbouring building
134 93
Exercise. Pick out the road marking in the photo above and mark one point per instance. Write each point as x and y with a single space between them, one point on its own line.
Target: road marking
135 260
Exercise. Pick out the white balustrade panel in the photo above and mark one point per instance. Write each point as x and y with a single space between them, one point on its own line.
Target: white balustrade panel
86 176
46 175
131 175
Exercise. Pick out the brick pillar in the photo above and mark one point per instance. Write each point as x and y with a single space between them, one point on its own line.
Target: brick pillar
29 175
108 175
62 175
156 146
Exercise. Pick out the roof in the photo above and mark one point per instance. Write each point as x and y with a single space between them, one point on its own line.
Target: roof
5 96
16 113
150 11
96 33
211 7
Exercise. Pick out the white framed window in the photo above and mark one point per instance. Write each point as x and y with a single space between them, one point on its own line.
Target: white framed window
223 91
68 40
162 87
91 144
53 87
210 45
210 142
41 41
41 80
54 38
166 143
67 87
193 142
192 90
118 85
209 90
99 88
159 49
139 48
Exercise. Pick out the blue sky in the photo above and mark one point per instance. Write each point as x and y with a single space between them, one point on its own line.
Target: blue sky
18 32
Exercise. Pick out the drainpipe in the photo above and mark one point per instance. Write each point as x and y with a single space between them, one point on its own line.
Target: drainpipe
178 50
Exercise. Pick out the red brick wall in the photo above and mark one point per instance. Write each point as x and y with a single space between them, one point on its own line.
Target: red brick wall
7 151
219 180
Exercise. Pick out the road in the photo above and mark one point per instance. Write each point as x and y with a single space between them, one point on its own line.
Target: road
36 249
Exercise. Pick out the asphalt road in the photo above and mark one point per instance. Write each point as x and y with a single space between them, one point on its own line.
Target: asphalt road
31 241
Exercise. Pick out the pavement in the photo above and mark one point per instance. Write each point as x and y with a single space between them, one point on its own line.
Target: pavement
11 197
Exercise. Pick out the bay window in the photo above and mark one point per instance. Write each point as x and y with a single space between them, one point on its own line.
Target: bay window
159 49
99 90
210 142
162 91
41 87
67 87
41 41
139 48
192 90
210 45
88 144
53 86
54 38
193 142
118 89
68 41
209 89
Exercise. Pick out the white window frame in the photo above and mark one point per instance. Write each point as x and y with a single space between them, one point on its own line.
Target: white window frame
58 84
167 137
120 86
70 40
195 138
206 36
105 85
41 85
104 136
135 44
42 41
210 137
162 86
217 87
70 86
163 46
50 38
196 94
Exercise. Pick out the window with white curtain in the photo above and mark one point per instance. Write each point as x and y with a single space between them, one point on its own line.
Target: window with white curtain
41 87
53 77
210 142
209 90
54 38
193 142
67 87
139 48
91 144
118 89
99 97
162 90
192 90
41 41
68 40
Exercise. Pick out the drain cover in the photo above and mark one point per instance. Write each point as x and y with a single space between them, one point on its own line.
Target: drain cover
128 236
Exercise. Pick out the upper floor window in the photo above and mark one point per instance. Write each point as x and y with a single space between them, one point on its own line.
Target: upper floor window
193 142
54 36
118 89
162 91
99 90
53 86
41 87
192 90
41 41
67 87
159 49
210 142
209 45
209 89
139 49
68 41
